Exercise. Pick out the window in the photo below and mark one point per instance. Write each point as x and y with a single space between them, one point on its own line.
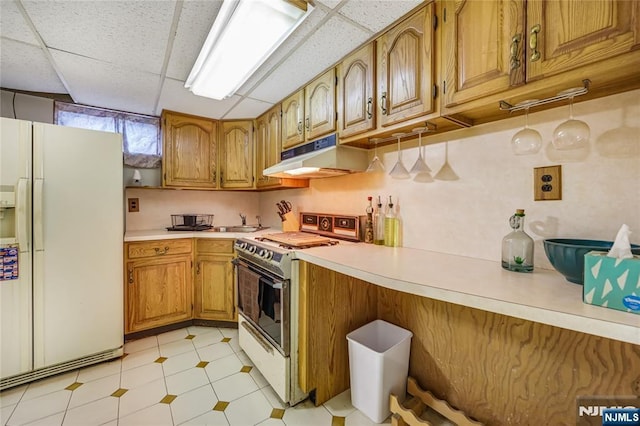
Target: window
140 133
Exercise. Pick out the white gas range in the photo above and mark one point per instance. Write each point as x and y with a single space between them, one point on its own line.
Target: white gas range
267 284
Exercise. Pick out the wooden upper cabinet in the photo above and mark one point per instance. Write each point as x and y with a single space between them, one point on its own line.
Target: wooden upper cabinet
236 153
189 151
320 106
293 120
405 66
268 146
356 98
483 48
567 34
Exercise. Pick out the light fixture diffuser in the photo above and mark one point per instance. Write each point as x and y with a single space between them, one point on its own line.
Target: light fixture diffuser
244 34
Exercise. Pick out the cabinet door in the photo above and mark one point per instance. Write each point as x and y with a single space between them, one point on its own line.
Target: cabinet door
158 292
483 48
356 100
566 34
268 145
320 106
292 120
214 289
405 69
189 151
236 167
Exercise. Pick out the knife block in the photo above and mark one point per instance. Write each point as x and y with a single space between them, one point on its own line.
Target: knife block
290 223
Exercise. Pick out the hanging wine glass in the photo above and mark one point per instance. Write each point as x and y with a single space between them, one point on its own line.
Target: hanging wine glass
572 134
446 172
420 166
526 141
399 171
376 165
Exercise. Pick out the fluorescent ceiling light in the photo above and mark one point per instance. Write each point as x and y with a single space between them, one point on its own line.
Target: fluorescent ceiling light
244 34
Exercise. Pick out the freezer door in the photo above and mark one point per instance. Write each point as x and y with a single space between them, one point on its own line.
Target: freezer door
15 248
78 243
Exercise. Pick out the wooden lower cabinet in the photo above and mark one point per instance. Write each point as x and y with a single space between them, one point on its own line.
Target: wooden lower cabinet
214 290
498 369
158 283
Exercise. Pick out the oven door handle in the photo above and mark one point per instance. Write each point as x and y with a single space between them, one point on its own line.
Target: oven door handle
271 281
261 340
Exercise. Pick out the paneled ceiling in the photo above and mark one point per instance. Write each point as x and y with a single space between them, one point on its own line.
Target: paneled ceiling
135 55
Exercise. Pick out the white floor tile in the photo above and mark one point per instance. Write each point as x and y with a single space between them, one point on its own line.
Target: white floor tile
244 358
258 378
156 415
248 410
136 377
235 344
272 422
12 396
178 363
273 397
49 385
234 387
196 330
357 418
229 332
111 423
94 390
141 344
172 336
176 348
209 338
187 380
40 407
340 405
193 404
142 397
216 418
5 412
53 420
99 371
215 351
143 357
307 414
93 413
223 367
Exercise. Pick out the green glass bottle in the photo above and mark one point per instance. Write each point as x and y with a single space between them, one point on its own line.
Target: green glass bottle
390 226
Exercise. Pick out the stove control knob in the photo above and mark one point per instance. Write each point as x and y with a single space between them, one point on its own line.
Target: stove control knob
268 254
252 249
242 245
262 252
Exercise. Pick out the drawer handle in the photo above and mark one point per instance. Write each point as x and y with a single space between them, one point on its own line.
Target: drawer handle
130 276
160 251
515 62
383 103
533 42
369 104
267 347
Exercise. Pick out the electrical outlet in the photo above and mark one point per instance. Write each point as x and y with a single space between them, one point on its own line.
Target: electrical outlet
134 205
547 183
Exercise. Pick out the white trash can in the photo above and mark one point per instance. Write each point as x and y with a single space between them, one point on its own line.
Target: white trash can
378 366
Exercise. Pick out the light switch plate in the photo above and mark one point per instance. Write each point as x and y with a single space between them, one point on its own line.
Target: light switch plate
547 183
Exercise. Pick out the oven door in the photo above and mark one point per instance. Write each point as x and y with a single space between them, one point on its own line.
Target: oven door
263 300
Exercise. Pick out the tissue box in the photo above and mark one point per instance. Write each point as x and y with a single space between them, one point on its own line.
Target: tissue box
612 283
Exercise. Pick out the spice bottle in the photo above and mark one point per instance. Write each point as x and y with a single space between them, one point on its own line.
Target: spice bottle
390 226
378 224
517 246
368 227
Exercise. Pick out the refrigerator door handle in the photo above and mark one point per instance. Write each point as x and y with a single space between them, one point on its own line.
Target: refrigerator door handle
22 215
38 219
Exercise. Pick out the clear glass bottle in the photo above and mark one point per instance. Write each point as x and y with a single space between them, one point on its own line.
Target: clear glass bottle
517 246
368 227
378 223
390 226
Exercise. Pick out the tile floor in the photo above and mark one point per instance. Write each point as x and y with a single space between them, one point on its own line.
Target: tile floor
191 376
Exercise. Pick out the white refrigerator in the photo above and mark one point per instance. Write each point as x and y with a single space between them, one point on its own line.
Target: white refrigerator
61 242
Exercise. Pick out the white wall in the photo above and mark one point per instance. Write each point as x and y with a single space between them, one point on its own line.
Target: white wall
469 217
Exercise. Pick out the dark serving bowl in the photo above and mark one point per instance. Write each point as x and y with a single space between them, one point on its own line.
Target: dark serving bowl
567 255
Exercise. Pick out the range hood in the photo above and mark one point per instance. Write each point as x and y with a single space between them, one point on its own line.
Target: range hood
319 159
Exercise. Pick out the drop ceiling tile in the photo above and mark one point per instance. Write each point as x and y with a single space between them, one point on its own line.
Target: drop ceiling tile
195 22
176 98
325 47
377 14
107 85
13 25
248 108
130 33
330 3
26 67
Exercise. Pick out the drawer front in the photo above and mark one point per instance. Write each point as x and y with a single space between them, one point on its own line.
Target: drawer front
215 246
158 248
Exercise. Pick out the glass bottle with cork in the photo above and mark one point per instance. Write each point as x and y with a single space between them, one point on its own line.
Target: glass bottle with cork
368 227
378 223
391 225
517 246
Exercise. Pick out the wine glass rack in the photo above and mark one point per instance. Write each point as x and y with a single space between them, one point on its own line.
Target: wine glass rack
565 94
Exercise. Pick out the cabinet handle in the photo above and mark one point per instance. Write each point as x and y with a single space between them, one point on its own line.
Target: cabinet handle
130 276
161 251
369 104
198 268
383 103
515 61
213 176
306 123
533 42
300 127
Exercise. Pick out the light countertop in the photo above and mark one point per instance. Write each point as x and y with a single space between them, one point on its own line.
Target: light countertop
543 296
